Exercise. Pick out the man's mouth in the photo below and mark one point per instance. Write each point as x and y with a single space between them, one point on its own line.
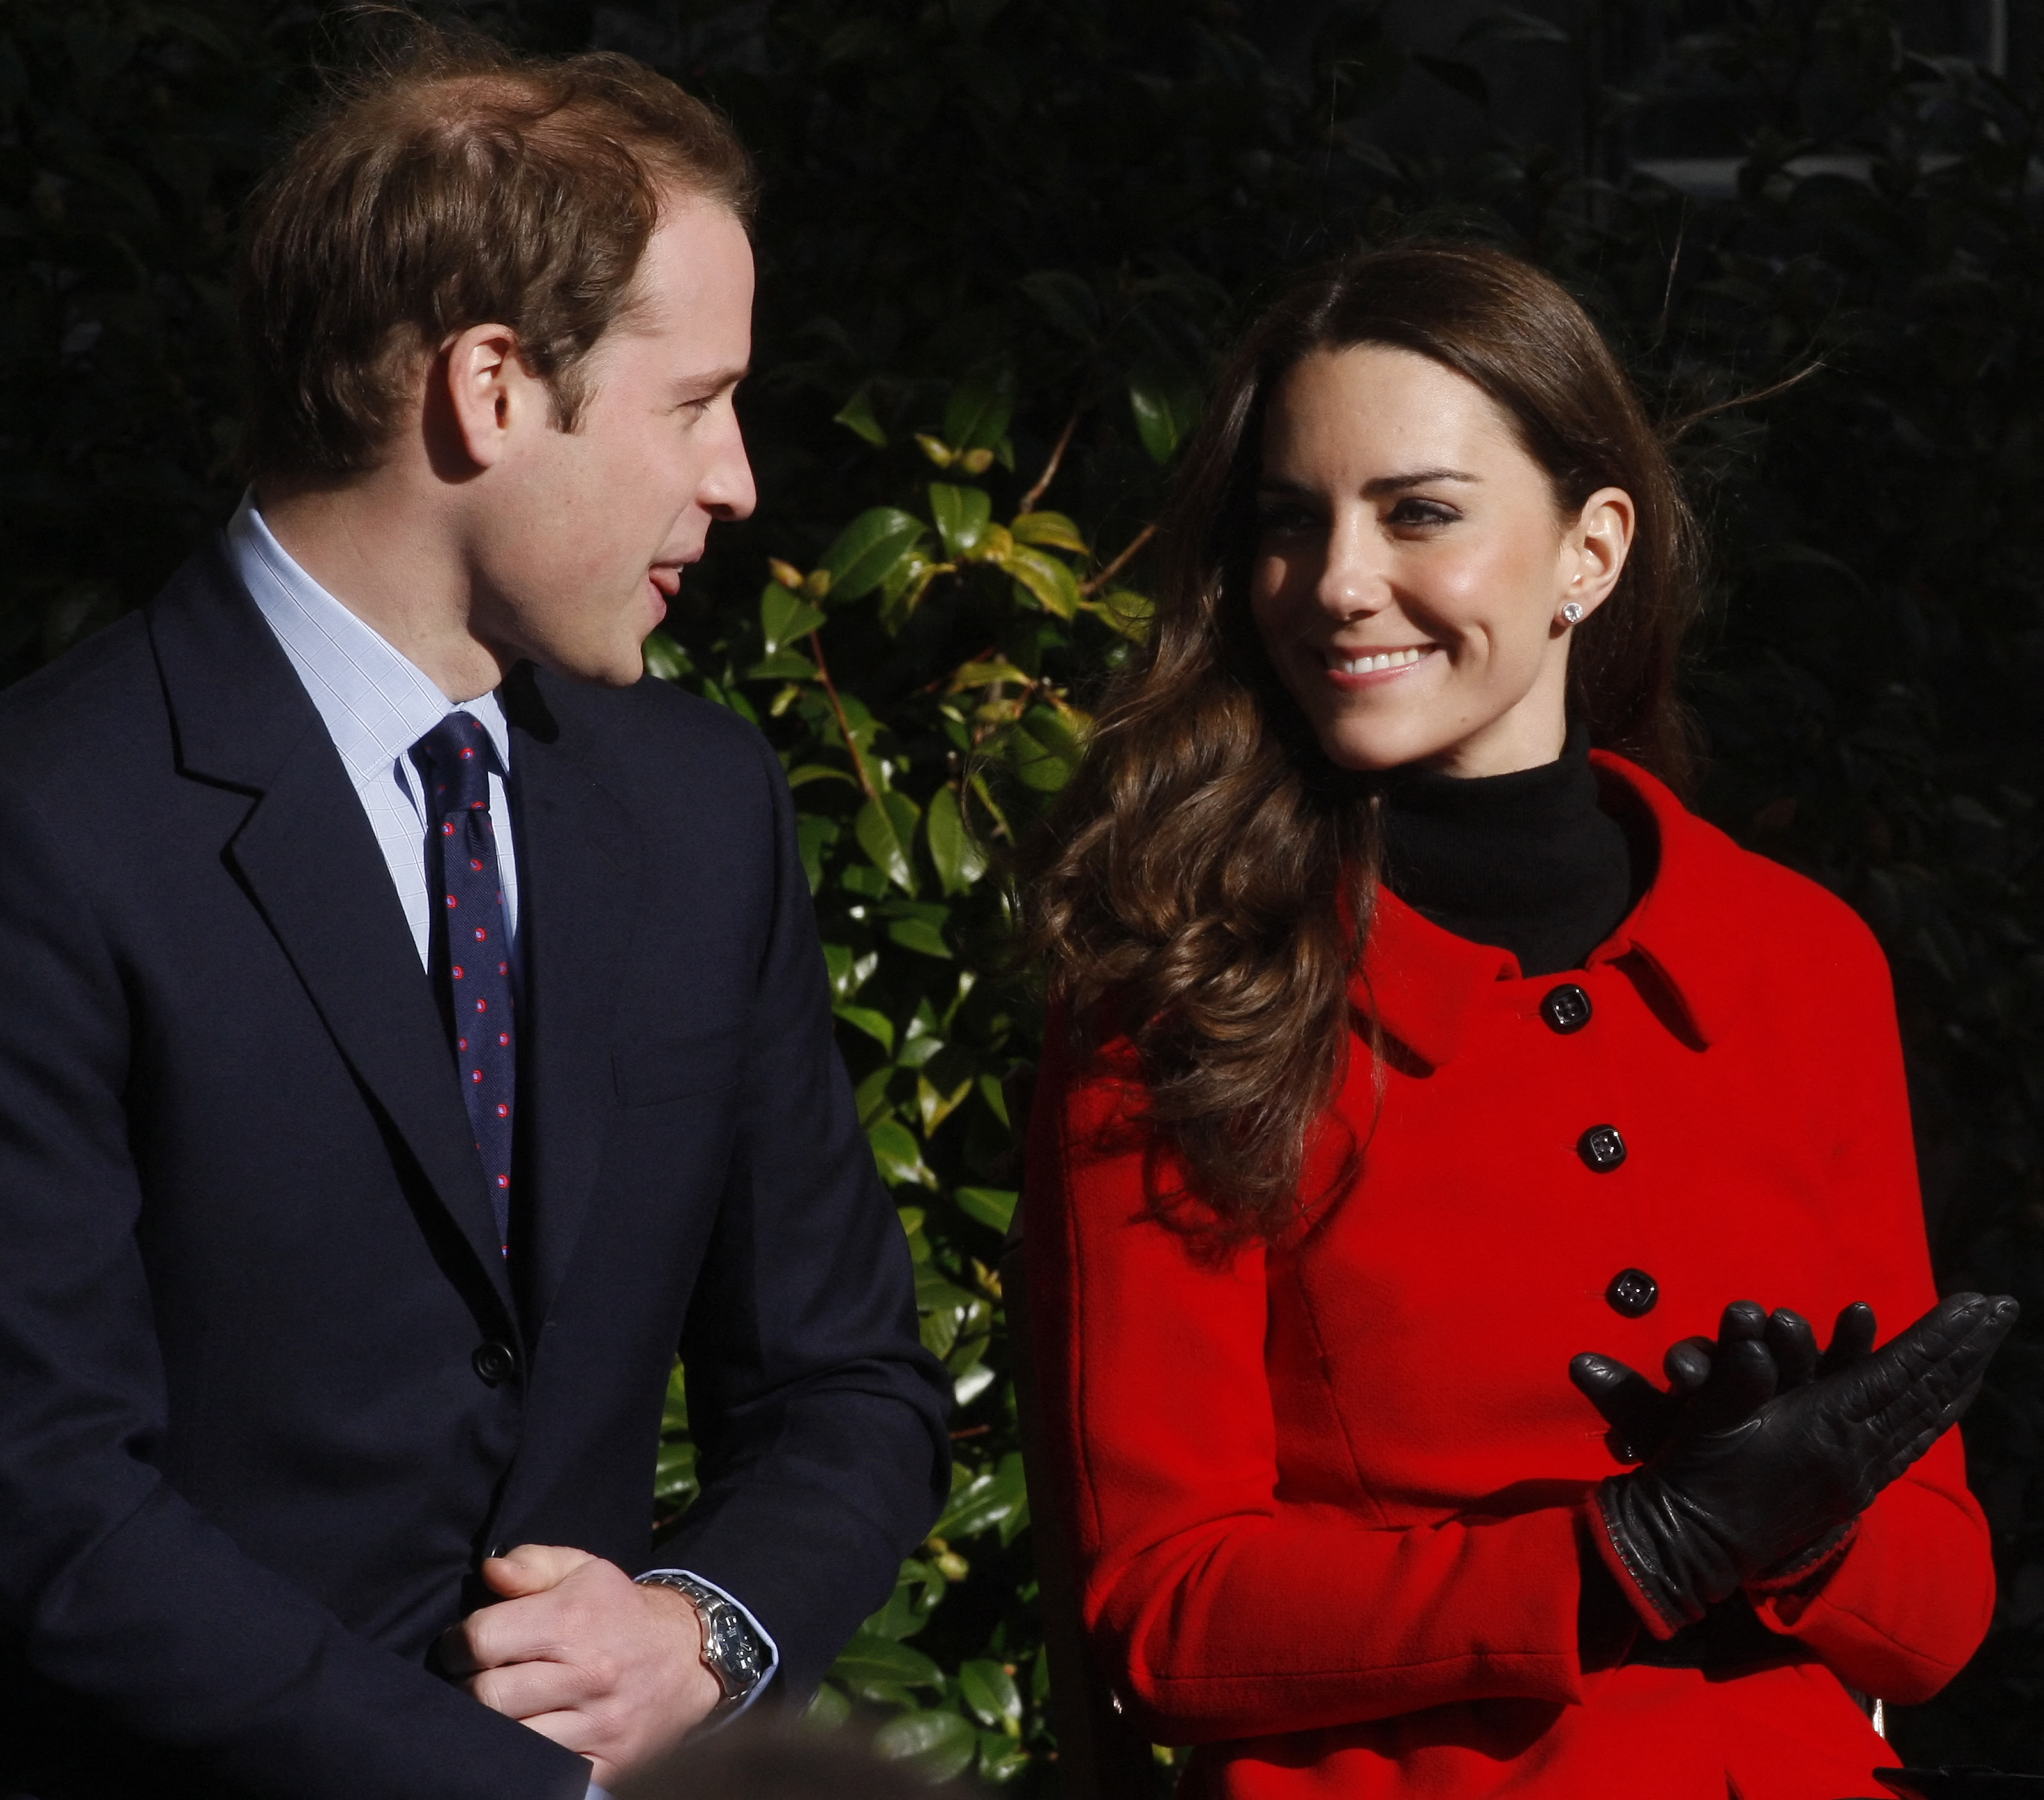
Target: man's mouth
666 577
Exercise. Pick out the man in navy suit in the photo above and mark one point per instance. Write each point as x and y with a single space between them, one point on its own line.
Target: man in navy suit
413 1033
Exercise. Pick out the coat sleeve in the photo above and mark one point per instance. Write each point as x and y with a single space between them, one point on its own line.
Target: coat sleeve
1221 1608
1898 1616
113 1588
819 1417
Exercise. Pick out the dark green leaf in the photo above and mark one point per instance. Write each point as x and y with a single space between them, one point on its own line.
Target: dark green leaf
867 549
1462 77
941 1745
876 1026
986 1503
869 1657
990 1691
994 1207
1066 301
897 1151
977 415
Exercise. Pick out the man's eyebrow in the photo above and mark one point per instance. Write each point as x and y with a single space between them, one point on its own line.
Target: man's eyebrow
712 381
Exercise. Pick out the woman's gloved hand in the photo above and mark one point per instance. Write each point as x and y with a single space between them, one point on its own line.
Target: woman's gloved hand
1715 1382
1750 1474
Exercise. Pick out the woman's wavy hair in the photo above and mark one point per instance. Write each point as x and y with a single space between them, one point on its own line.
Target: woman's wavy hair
1205 886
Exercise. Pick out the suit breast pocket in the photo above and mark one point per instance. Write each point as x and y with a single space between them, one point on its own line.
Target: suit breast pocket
675 1068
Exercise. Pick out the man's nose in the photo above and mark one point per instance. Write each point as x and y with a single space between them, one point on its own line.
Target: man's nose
728 490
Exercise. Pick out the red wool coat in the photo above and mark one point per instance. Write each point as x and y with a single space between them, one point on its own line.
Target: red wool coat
1328 1496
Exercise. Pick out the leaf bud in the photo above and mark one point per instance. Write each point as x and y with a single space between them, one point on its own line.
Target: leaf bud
935 448
976 461
789 576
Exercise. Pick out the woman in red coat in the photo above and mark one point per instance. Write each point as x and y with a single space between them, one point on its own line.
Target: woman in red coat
1415 1039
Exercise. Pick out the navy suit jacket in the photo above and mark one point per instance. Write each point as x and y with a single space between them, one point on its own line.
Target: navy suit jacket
250 1455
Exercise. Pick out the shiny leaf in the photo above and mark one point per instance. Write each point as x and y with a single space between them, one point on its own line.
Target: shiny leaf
867 549
990 1691
962 515
898 1153
876 1026
885 828
785 616
1053 530
919 935
1050 582
954 852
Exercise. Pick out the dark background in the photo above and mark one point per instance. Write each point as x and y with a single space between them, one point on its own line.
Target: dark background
985 219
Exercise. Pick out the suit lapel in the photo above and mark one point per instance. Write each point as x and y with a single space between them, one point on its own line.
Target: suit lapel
310 862
577 886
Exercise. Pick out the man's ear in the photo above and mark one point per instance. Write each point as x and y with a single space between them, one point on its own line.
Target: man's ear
1594 549
488 392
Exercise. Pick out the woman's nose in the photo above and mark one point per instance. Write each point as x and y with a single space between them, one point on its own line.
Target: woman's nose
1352 578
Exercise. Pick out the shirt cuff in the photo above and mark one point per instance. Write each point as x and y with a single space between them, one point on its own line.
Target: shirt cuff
759 1631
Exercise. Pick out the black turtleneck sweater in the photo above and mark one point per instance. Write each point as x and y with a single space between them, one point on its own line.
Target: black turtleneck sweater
1529 861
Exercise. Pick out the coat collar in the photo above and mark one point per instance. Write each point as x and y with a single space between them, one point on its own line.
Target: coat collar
1424 985
305 853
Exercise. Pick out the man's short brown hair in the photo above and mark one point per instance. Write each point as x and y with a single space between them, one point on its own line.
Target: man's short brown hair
457 184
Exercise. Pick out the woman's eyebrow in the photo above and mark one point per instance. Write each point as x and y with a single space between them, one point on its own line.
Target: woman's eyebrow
1381 485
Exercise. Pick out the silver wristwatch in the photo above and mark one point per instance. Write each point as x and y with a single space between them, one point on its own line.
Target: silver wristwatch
730 1649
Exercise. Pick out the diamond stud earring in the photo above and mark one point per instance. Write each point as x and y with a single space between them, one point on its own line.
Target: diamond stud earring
1573 613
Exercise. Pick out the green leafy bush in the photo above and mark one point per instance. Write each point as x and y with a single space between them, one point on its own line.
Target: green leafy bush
1001 239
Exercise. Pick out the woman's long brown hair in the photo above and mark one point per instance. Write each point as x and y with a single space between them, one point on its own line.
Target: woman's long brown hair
1205 886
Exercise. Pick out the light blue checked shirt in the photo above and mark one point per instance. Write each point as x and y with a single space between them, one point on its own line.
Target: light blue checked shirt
376 704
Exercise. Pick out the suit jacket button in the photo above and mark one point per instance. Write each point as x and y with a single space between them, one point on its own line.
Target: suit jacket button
1602 1147
1565 1009
1633 1292
494 1362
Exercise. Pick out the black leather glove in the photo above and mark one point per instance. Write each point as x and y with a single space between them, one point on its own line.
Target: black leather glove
1720 1504
1714 1383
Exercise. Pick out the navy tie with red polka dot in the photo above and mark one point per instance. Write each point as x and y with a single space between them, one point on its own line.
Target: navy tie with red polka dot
472 950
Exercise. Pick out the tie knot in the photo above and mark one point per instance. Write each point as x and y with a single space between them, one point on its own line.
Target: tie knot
455 757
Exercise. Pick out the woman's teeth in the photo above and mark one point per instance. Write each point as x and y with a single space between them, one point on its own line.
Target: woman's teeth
1364 665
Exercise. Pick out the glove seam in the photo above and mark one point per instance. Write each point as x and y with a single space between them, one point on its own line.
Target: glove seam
1631 1567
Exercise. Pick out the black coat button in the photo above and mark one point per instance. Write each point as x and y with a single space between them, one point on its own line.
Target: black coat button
494 1362
1602 1147
1566 1008
1633 1292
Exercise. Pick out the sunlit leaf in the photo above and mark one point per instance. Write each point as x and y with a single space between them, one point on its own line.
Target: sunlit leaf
876 1026
665 658
863 552
885 828
987 1502
954 852
1126 612
983 675
1053 530
1001 1758
962 515
898 1153
857 414
1050 581
785 616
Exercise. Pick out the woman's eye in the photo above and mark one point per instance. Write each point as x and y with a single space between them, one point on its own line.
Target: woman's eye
1276 522
1412 512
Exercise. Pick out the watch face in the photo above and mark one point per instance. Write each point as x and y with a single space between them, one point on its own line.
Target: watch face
736 1649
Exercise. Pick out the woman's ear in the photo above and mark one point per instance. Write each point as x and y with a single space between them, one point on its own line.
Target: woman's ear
1594 549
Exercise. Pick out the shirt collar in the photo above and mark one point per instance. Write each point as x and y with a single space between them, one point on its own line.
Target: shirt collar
376 702
1424 986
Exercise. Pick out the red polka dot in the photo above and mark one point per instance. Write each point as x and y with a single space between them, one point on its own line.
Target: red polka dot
475 1074
457 971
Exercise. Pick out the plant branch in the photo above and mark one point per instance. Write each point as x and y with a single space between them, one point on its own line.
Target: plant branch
844 724
1050 468
1089 588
